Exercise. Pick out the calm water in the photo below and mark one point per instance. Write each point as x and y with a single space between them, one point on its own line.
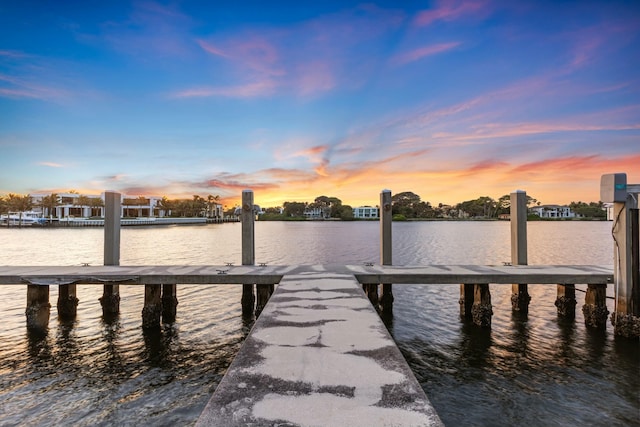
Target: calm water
535 371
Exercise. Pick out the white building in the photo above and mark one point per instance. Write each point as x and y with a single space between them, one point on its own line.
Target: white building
317 213
366 212
73 205
553 211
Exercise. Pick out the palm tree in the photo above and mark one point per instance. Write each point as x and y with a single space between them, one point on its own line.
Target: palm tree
96 203
19 204
50 203
211 202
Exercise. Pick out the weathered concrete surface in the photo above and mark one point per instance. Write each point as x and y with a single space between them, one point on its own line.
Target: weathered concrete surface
319 355
267 275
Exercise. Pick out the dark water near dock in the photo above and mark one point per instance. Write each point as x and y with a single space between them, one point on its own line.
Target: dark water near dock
533 371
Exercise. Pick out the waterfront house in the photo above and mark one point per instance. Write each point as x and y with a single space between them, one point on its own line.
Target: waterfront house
554 211
366 212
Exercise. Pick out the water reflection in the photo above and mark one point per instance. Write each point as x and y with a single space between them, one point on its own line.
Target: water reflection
475 347
38 346
565 352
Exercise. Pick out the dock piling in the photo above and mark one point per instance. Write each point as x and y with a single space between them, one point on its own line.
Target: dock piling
519 293
386 245
67 301
110 299
38 307
566 301
248 249
595 306
626 266
152 306
481 310
169 303
466 301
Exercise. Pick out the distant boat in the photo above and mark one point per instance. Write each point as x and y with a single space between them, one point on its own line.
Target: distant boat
27 218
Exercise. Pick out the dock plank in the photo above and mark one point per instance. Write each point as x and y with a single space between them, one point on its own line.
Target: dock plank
319 355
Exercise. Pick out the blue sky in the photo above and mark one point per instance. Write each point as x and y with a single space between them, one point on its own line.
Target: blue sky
449 99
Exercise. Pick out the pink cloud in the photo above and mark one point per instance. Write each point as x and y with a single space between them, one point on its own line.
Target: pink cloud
210 48
422 52
450 10
309 57
51 164
249 90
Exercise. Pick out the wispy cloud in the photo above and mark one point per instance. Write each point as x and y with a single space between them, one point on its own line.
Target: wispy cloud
51 164
451 10
307 58
152 29
18 87
421 52
249 90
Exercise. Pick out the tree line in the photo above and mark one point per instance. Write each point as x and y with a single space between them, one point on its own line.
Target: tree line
326 207
405 205
408 205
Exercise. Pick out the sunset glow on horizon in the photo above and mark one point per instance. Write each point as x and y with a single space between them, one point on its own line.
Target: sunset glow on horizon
451 100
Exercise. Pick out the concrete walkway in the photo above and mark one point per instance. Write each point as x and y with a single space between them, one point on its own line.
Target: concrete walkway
319 355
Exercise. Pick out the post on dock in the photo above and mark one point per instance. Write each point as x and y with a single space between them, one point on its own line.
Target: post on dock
38 307
110 299
519 293
248 249
386 245
626 267
67 301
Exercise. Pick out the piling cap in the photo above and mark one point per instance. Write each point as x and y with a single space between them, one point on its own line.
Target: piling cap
386 191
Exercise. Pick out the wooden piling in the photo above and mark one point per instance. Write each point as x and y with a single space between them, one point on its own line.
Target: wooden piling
38 307
152 306
67 301
110 299
595 306
481 311
626 315
248 248
466 301
566 301
386 245
169 303
519 293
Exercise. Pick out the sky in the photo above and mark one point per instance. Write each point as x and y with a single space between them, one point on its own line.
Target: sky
449 99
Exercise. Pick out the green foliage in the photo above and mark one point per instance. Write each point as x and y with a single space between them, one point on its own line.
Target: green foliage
482 207
399 217
409 205
294 208
589 210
